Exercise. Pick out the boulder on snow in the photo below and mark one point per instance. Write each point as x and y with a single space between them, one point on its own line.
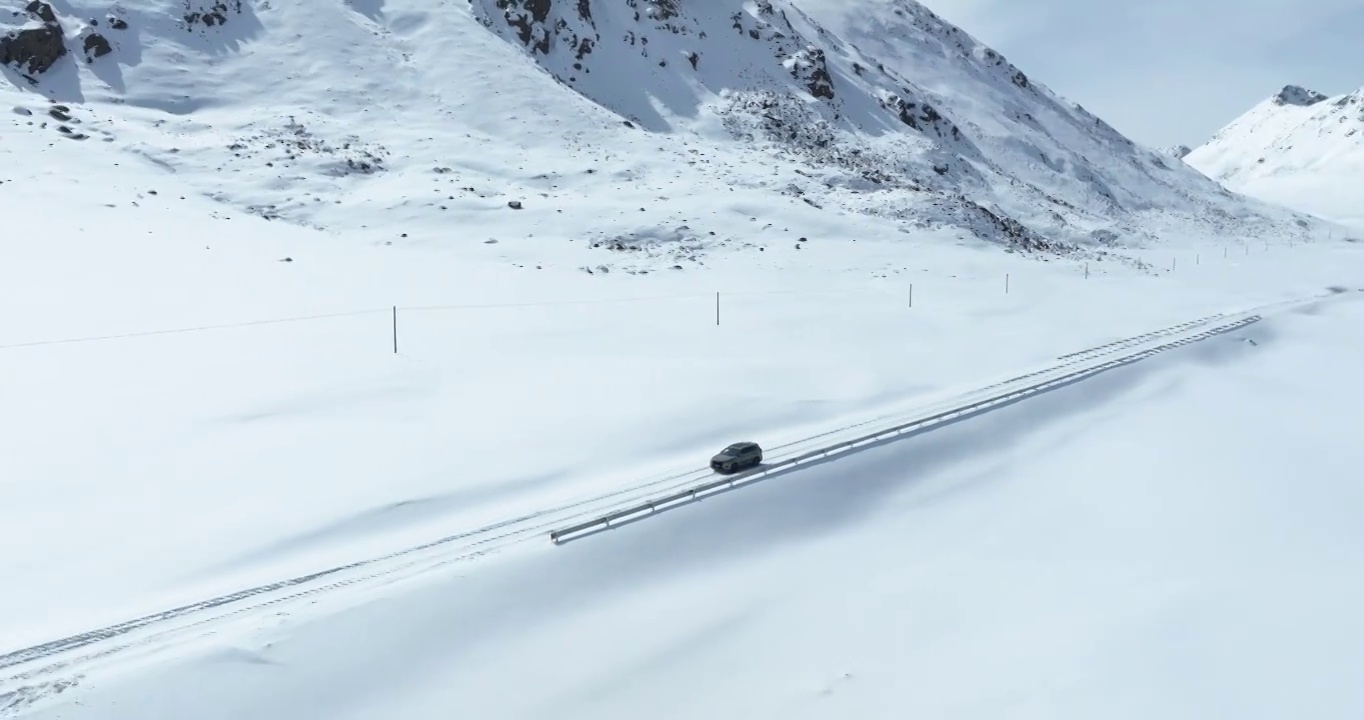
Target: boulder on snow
43 11
811 67
209 13
34 49
96 46
37 46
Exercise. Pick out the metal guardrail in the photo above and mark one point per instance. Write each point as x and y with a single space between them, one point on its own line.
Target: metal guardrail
676 499
1143 337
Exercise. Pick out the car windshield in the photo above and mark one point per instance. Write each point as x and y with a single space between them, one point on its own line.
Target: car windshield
737 447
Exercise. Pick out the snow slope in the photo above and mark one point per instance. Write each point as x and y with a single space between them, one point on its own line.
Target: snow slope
1298 148
395 121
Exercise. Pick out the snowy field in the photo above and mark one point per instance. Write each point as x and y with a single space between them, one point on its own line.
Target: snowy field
1045 560
1172 539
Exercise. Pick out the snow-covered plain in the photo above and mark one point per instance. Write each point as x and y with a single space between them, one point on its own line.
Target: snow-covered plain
1299 148
1047 559
1175 539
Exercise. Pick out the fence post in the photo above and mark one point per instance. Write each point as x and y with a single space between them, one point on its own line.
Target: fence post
911 294
717 308
395 329
1086 271
1006 283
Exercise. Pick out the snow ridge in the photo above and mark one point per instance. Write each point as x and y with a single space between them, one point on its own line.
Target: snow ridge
1299 148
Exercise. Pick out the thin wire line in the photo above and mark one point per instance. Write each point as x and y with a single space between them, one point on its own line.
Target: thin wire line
201 328
469 306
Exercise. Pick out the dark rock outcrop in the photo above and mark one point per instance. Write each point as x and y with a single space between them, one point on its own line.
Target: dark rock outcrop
198 12
34 49
42 11
811 67
96 46
1297 95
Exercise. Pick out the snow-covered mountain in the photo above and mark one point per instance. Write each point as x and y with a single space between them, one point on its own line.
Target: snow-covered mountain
594 117
1299 148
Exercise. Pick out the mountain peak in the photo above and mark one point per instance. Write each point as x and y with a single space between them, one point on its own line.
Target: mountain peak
1298 95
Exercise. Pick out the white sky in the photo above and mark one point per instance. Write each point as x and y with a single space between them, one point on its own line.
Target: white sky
1169 72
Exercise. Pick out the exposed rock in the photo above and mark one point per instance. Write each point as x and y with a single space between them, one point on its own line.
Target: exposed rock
202 12
663 9
921 116
514 204
1297 95
117 23
43 11
528 18
35 48
812 67
96 46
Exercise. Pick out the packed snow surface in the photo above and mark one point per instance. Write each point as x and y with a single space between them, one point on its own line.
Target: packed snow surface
293 285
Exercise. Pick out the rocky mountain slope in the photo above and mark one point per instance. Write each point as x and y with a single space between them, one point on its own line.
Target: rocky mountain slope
1299 148
594 118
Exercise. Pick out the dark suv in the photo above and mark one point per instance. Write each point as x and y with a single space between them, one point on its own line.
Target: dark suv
736 457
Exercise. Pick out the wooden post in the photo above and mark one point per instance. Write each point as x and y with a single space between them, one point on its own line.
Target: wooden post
911 294
1006 283
717 309
395 329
